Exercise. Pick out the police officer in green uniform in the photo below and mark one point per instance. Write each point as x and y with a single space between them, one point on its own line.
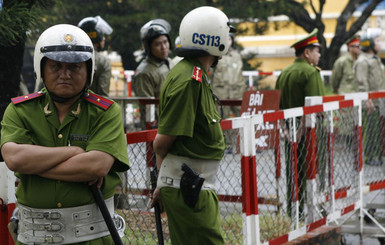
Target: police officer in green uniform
298 80
342 78
61 140
189 131
153 70
97 28
369 76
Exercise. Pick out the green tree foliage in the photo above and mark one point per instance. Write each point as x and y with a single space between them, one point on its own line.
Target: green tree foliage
16 17
125 17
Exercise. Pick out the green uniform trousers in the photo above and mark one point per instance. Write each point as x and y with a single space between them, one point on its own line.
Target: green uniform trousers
197 226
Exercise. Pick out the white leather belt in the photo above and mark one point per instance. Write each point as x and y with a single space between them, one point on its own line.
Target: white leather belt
62 226
171 172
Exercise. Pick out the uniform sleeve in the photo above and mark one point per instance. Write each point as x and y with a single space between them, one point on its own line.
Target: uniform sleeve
108 136
314 86
336 75
177 113
12 129
144 85
361 70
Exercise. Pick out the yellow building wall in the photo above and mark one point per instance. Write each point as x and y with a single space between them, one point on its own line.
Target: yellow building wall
288 33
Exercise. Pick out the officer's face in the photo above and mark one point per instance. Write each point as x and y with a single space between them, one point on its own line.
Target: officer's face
65 79
160 47
377 45
312 55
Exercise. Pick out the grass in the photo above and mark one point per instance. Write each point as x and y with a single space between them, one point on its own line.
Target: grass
141 228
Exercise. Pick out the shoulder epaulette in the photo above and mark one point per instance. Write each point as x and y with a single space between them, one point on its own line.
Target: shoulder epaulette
197 74
23 98
99 100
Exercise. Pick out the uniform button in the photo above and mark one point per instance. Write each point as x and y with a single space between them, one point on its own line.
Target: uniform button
60 136
59 205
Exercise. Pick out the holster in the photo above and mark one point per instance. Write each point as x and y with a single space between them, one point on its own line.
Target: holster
13 224
190 185
12 227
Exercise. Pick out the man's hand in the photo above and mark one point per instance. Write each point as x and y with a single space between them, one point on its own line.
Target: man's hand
370 106
99 182
156 198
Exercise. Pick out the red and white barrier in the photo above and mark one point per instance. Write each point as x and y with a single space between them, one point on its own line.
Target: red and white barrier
250 161
7 202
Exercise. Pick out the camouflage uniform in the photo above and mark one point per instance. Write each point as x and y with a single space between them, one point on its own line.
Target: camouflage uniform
102 77
148 79
227 80
342 78
369 76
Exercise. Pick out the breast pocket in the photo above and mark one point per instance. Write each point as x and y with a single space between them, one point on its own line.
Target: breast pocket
214 131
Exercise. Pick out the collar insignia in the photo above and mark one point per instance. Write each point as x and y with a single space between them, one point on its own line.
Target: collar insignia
46 111
197 74
77 112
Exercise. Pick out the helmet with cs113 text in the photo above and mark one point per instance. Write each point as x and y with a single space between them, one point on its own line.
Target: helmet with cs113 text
64 43
204 31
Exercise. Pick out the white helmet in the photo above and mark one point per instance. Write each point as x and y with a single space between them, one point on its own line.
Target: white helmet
64 43
204 30
153 29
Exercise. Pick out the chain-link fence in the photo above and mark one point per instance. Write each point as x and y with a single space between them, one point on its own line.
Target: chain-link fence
133 202
306 168
283 174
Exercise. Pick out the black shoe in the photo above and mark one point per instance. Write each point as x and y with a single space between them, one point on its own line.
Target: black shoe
374 163
368 220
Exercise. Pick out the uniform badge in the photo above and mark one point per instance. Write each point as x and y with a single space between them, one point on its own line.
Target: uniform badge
69 38
197 74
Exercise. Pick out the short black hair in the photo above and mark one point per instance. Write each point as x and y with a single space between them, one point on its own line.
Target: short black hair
300 51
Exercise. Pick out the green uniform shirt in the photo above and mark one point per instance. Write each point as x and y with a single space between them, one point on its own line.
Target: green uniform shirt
342 78
297 81
187 110
86 125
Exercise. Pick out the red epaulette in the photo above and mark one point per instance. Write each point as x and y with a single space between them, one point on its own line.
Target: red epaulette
20 99
197 74
99 100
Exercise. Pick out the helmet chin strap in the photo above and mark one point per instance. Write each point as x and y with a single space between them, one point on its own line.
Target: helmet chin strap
59 99
215 63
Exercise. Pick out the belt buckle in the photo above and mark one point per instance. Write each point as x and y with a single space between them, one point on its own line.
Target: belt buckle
51 215
168 180
55 226
53 238
48 239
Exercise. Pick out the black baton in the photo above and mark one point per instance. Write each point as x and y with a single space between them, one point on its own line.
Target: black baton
98 196
158 220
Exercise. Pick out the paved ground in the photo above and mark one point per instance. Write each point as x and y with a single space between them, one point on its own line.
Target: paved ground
370 230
